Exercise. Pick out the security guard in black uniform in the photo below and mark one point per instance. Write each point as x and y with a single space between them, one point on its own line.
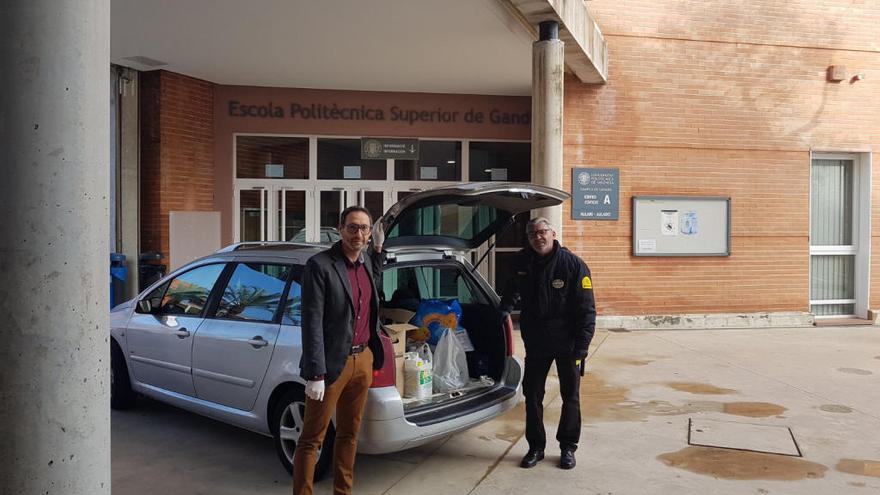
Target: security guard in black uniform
555 293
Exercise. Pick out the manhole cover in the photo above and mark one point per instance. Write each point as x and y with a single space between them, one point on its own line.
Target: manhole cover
742 436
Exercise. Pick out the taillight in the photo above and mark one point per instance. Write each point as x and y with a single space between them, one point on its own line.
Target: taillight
386 376
508 333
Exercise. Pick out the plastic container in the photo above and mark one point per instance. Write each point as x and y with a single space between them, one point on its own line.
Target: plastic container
149 269
118 277
417 376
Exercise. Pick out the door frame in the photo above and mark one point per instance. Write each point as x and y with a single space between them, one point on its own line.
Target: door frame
313 186
269 203
861 246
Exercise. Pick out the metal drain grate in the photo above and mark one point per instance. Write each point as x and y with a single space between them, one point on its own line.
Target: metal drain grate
768 439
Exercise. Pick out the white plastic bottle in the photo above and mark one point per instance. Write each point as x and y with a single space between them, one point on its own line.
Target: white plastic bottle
412 367
426 378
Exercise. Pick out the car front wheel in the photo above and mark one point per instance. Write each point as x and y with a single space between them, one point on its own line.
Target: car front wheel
287 424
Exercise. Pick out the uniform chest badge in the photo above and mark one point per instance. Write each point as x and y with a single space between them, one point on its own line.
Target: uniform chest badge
558 283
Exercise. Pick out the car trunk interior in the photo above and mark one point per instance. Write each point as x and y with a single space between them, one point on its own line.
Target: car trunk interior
411 286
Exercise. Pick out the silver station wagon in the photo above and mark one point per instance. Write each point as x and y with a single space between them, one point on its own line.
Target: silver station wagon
221 336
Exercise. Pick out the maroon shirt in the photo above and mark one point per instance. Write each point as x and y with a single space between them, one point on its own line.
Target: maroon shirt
361 297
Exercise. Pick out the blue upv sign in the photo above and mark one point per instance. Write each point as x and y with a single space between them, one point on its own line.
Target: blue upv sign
595 193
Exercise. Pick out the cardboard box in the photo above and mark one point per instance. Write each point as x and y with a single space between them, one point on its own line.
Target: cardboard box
397 332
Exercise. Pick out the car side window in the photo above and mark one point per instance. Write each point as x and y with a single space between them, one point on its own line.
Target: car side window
155 297
293 309
292 314
188 293
253 292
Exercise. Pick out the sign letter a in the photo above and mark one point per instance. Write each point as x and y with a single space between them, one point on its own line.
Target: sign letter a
607 200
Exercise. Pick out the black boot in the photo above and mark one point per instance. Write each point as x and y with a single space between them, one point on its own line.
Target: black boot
566 460
531 458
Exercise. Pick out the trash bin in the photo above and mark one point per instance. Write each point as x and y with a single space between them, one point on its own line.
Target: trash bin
149 269
118 276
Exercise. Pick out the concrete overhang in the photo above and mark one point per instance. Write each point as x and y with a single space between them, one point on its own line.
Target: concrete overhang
586 53
430 46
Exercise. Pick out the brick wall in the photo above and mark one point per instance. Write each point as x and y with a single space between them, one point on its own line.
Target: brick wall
177 142
714 98
150 190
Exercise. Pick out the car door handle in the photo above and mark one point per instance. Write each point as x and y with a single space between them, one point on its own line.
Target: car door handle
258 342
182 333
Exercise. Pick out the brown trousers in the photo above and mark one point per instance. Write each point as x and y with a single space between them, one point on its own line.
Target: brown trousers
347 396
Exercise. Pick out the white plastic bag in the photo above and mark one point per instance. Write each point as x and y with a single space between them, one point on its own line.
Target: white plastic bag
465 339
425 353
450 364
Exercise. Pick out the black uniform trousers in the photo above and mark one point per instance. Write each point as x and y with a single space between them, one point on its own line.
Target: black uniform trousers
534 380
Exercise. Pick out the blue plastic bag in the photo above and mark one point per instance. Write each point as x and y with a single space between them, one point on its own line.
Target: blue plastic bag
436 316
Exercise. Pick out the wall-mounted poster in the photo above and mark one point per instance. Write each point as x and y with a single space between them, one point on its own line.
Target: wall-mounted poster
681 226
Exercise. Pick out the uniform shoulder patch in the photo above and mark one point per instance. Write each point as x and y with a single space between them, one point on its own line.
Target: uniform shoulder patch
586 283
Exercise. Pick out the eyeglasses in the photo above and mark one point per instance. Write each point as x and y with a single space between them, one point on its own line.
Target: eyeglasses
535 233
354 228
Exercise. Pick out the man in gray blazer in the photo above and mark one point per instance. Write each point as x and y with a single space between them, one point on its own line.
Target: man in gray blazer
341 347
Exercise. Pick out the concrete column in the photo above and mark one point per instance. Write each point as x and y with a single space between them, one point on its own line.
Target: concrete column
547 80
54 294
129 184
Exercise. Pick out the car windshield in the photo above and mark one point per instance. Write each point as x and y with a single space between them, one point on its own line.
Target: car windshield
448 220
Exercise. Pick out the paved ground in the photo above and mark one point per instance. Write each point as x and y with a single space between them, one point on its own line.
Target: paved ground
641 390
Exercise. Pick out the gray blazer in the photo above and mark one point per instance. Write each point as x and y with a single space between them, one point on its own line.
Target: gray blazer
328 314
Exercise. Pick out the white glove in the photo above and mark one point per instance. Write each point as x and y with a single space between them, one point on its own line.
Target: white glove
315 390
378 235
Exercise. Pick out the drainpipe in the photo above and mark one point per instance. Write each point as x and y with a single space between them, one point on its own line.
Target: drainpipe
547 99
54 254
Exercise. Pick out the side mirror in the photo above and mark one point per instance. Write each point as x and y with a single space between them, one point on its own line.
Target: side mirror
144 306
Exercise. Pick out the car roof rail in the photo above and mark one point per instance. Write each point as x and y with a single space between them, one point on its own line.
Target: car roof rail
254 244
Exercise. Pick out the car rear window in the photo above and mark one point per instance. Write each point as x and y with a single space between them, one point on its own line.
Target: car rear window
409 285
446 220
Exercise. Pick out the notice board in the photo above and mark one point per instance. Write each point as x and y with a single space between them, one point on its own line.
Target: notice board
681 226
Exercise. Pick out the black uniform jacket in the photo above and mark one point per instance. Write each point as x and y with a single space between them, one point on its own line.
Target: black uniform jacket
555 294
328 314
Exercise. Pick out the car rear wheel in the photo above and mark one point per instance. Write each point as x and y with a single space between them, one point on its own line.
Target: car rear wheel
121 394
287 423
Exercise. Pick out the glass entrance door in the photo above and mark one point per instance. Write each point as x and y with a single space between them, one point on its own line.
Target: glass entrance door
330 205
373 201
292 209
253 214
332 200
271 213
833 234
275 213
